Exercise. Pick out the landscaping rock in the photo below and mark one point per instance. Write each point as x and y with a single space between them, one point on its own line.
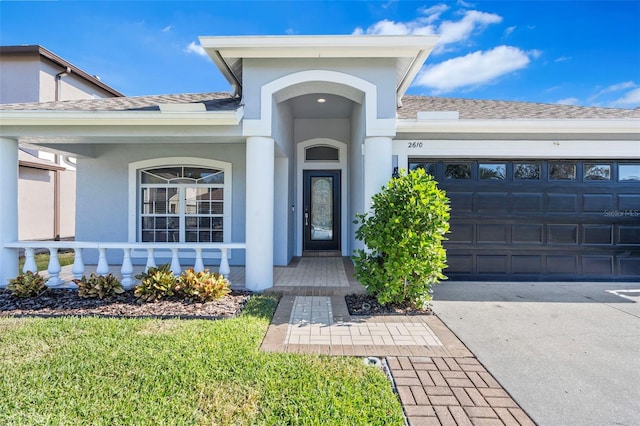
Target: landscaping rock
364 304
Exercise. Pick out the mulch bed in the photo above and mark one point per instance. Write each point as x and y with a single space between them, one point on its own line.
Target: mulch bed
364 304
66 302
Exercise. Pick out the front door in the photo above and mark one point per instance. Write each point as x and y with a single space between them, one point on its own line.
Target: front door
321 221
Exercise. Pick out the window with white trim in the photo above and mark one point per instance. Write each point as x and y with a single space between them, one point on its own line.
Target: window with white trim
182 204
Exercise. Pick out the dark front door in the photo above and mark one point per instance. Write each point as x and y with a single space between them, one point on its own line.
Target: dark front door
321 210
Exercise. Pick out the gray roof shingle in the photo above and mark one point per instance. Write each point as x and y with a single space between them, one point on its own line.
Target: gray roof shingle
468 108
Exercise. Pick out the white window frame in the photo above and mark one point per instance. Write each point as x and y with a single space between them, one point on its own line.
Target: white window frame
134 214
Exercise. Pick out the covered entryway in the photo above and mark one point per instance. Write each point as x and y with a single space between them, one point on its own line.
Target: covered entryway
322 211
523 220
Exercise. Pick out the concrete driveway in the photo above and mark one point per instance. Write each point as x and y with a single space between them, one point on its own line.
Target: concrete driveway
568 353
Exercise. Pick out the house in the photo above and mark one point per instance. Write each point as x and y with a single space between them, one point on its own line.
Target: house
314 126
47 181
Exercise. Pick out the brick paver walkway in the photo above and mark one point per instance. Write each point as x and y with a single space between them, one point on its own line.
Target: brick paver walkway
438 380
452 391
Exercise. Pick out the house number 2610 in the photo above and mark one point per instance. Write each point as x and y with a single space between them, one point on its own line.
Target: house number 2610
415 145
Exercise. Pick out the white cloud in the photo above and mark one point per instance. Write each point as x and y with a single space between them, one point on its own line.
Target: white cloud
562 59
167 29
453 32
193 47
509 30
630 99
617 87
474 69
568 101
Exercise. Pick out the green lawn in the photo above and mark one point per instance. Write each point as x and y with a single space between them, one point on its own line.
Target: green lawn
99 371
42 260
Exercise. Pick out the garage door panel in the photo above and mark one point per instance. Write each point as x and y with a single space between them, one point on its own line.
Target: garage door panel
562 234
558 264
529 203
461 201
629 202
492 202
492 264
461 233
459 264
562 203
598 203
629 266
493 233
527 234
526 264
629 235
597 234
598 265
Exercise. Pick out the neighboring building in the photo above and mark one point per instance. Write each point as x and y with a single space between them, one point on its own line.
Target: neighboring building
315 127
47 181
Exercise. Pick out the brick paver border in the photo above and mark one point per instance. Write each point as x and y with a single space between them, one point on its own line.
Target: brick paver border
452 391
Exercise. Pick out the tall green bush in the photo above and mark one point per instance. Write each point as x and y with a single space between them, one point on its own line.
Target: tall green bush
403 236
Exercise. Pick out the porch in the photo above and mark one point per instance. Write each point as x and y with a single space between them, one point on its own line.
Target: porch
311 276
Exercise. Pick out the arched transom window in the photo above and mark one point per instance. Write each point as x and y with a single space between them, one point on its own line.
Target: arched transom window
182 204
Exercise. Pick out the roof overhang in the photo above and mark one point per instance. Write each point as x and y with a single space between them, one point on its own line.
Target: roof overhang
26 118
629 128
409 52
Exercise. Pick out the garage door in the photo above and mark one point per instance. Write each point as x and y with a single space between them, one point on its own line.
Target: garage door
541 220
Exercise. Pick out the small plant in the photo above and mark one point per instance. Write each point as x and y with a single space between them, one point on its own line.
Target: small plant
99 286
156 283
403 235
203 286
26 285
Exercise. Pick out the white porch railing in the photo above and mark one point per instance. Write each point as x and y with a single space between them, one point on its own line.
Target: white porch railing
78 268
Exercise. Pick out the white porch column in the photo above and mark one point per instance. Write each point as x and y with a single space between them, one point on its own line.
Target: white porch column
8 209
377 166
259 220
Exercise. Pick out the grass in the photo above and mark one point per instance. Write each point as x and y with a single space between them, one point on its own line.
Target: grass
42 260
105 371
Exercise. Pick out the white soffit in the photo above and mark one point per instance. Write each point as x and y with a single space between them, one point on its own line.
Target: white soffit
410 52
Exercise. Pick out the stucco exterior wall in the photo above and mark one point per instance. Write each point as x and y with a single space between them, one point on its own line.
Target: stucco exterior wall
356 173
67 204
380 72
20 80
71 86
103 187
35 204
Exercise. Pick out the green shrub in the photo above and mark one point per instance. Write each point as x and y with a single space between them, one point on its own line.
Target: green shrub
156 283
99 286
403 235
28 284
203 286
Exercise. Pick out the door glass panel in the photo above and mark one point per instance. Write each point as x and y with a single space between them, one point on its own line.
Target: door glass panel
629 172
492 171
429 168
321 208
526 171
562 171
457 171
597 172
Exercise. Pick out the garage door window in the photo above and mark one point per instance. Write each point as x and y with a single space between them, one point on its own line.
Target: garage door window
597 171
492 171
562 171
457 171
527 171
629 172
430 168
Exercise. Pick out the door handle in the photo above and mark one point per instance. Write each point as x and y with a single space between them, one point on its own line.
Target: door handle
306 215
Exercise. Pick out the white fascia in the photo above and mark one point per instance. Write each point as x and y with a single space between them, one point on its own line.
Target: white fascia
506 126
119 118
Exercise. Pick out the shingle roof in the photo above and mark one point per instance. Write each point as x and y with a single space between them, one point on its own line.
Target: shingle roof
468 108
213 101
483 109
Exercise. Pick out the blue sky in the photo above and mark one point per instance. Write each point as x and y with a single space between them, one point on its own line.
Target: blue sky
572 52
